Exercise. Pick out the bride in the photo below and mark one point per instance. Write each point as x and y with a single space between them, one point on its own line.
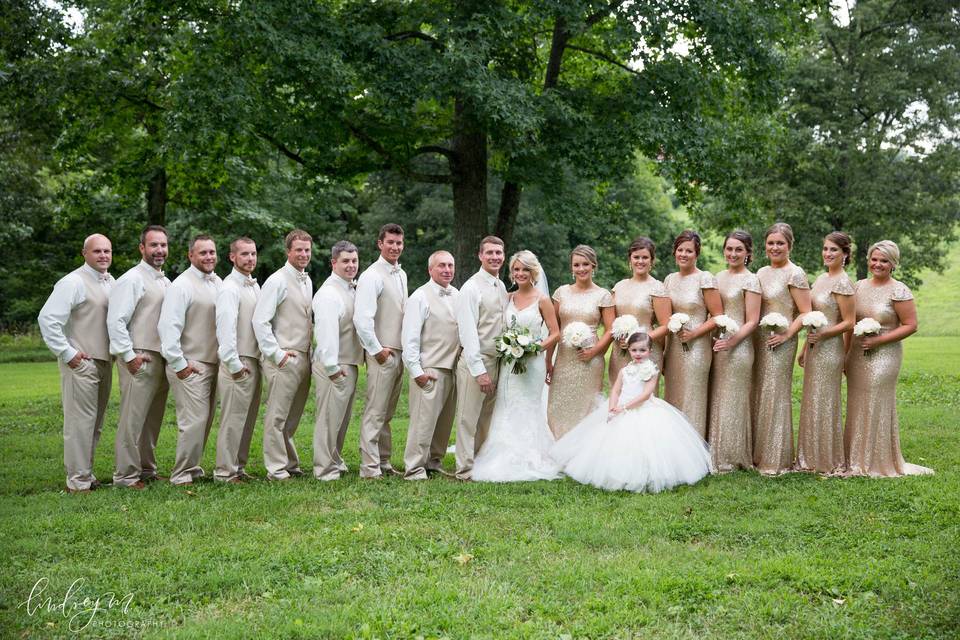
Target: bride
517 446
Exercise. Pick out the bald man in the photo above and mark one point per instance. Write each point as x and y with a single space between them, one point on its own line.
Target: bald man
73 323
431 346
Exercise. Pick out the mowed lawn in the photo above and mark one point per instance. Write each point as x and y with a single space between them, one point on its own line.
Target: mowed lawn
737 555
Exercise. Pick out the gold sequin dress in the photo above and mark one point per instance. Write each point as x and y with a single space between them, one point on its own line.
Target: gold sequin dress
686 374
772 408
636 298
730 380
574 385
820 442
872 433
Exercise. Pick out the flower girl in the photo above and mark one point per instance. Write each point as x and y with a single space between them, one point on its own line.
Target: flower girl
639 442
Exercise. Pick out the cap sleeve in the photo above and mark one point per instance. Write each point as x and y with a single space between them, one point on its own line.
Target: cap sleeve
558 293
657 290
798 279
751 283
606 300
901 292
843 287
707 280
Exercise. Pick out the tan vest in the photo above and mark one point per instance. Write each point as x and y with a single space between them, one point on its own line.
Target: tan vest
146 317
493 303
87 329
388 320
247 345
439 339
350 350
293 320
199 337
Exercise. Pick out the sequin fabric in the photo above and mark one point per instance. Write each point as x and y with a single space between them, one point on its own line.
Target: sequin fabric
636 298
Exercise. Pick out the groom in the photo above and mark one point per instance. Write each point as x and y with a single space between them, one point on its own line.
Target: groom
480 307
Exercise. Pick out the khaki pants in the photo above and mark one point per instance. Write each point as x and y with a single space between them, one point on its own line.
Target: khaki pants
287 391
239 406
196 398
143 400
334 407
383 391
432 411
474 410
85 392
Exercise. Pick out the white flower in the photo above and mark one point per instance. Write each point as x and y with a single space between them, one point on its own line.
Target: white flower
516 352
625 326
814 320
502 346
728 324
523 340
577 335
866 327
677 321
774 321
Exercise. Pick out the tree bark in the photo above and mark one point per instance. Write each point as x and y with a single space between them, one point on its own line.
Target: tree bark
509 210
468 168
157 198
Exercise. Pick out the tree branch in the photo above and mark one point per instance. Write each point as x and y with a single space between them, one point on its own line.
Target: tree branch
605 57
282 148
401 166
414 35
431 148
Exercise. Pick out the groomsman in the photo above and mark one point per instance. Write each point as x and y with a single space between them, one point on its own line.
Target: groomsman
480 307
132 317
378 316
73 323
188 342
336 361
282 324
431 345
238 381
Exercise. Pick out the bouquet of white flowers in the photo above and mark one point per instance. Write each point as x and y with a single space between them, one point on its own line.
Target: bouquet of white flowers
578 335
515 345
775 323
728 326
676 323
813 322
625 326
867 327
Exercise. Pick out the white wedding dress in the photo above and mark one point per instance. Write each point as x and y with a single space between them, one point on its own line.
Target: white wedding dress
518 444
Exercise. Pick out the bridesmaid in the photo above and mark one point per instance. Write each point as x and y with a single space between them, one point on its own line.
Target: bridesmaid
577 377
785 290
644 297
872 433
732 371
820 444
686 373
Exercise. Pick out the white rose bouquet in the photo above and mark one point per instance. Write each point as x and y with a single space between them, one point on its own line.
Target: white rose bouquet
728 326
867 327
625 326
515 345
813 322
578 335
676 323
774 323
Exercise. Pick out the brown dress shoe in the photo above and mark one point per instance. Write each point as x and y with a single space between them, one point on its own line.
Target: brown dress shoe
136 486
69 490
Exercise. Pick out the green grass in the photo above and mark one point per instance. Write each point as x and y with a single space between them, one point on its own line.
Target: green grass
734 556
938 301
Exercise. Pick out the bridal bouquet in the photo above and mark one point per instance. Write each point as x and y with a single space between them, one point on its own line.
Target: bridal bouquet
578 335
813 322
515 345
625 326
775 323
728 326
676 323
866 327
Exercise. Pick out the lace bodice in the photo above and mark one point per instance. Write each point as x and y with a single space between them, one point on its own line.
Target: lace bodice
528 317
635 377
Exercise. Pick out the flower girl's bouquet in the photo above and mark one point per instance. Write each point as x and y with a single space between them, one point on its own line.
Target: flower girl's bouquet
515 345
774 323
579 335
813 322
623 327
867 327
676 323
728 326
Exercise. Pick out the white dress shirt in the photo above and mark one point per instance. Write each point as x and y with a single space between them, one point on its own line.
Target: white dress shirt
414 315
272 294
328 309
369 287
68 293
228 309
124 298
177 300
468 316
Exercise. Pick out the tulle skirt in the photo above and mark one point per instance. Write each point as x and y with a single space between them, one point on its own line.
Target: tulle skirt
651 448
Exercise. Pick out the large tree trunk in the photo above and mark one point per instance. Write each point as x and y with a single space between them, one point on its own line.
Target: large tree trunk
509 210
469 171
157 198
861 258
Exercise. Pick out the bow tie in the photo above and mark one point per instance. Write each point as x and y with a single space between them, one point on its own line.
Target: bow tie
159 275
395 269
445 292
303 278
352 285
104 277
209 277
249 282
